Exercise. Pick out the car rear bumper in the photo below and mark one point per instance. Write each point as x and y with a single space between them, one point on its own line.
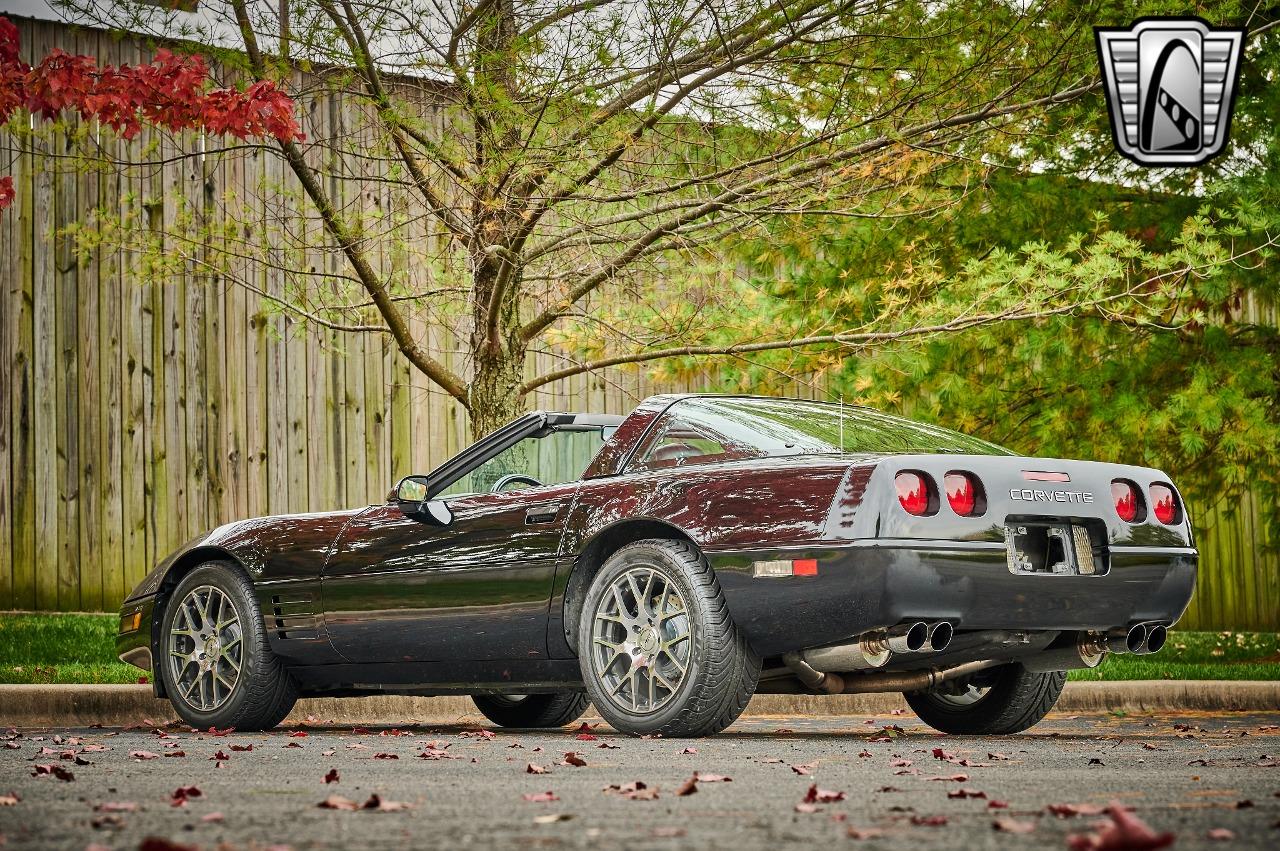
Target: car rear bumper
875 584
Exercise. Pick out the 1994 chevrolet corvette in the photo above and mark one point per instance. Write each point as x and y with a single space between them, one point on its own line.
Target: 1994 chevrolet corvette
669 564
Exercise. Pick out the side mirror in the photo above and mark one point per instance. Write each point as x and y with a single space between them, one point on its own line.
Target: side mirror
411 494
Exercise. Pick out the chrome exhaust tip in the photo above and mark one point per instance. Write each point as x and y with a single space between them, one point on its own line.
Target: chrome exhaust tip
907 638
1157 635
1132 640
940 635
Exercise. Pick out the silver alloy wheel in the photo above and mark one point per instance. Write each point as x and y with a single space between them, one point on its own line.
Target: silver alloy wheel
641 640
206 648
971 695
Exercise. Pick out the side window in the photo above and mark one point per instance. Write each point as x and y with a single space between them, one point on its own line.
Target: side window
682 442
555 458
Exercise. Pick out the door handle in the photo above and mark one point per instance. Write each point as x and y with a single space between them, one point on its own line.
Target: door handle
542 514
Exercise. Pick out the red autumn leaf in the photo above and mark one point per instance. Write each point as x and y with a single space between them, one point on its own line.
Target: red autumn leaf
143 755
376 802
386 756
585 737
804 770
178 754
212 818
156 843
332 776
997 756
7 195
241 748
1125 832
712 778
1069 810
929 821
298 745
52 769
822 796
179 797
116 807
540 797
221 756
608 746
536 769
939 753
337 802
997 804
636 790
1220 834
214 731
900 763
966 793
689 751
951 778
571 758
486 735
688 787
863 832
1008 825
299 734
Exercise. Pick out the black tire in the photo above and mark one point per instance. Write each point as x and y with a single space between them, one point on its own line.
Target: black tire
533 711
1016 699
720 671
264 692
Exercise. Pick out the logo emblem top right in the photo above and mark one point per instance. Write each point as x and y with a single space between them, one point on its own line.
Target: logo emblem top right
1170 85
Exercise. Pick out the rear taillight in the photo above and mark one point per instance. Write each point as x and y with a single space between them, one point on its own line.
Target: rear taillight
964 493
916 493
1164 504
1128 501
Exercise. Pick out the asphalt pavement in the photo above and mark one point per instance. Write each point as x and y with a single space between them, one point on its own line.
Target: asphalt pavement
867 782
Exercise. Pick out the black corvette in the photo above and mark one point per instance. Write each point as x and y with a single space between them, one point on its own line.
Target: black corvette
669 564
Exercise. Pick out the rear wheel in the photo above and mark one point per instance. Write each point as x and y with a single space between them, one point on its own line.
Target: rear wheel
658 650
217 667
532 710
1000 702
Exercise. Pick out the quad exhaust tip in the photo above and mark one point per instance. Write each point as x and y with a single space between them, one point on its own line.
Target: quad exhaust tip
907 638
1157 635
940 635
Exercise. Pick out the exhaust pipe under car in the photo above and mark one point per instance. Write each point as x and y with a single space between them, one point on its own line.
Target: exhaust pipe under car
870 650
1131 640
1087 650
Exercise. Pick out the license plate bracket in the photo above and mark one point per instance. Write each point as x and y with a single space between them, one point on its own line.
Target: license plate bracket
1052 547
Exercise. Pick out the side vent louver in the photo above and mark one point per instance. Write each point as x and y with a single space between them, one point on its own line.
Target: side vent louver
295 615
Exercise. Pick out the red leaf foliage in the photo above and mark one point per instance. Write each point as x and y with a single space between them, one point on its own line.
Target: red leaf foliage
173 92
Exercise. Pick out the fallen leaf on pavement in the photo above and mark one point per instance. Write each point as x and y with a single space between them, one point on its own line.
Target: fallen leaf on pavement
179 797
1008 825
332 776
953 778
822 796
571 758
536 769
1068 810
1125 832
10 799
56 770
636 790
688 787
540 797
808 809
1220 834
962 792
141 755
929 821
712 778
212 818
337 802
116 807
551 818
863 832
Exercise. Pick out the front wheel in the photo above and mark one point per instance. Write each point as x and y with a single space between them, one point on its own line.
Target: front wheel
658 650
216 665
533 711
998 702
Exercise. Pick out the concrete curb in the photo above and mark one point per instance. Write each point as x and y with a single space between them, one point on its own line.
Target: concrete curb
118 705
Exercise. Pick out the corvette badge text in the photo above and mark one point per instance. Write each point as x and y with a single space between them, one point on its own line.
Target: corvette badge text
1170 85
1036 495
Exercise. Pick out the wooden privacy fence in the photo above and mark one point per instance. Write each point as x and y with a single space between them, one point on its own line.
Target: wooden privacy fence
133 415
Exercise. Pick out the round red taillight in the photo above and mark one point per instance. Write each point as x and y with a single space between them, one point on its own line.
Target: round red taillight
1164 503
962 493
914 493
1125 496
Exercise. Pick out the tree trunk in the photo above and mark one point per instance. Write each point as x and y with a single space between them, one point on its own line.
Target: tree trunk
495 391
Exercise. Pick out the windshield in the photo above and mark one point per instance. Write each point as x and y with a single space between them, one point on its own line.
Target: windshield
708 429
